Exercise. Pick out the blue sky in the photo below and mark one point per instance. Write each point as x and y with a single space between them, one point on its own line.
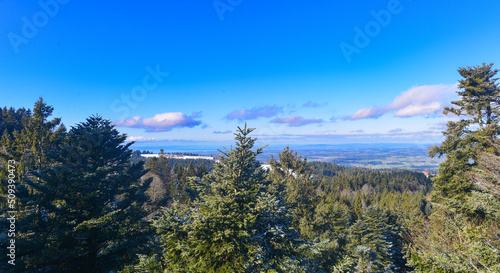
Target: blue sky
189 72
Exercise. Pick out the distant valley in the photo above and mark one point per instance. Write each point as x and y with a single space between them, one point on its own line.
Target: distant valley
374 156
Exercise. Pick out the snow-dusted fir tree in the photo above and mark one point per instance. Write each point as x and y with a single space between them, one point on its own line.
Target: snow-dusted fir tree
233 225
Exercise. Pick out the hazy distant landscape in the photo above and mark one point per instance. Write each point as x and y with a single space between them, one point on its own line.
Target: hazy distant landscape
374 156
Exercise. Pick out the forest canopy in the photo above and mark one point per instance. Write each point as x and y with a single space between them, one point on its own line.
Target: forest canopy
86 203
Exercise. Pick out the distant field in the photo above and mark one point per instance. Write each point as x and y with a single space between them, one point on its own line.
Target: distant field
374 156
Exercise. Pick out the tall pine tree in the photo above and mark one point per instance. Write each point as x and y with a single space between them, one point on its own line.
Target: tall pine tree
461 234
234 225
478 109
89 217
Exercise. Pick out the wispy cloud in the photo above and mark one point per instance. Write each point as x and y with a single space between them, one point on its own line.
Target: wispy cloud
419 100
222 132
359 136
314 104
373 112
255 112
296 121
129 122
161 122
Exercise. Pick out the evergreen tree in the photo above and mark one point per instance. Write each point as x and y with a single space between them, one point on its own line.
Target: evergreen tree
375 242
358 205
36 144
190 172
160 167
461 234
201 170
32 140
161 187
234 225
89 217
179 171
478 106
12 122
292 177
464 239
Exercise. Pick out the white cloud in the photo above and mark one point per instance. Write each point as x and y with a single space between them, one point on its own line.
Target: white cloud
296 121
422 95
425 136
373 112
416 110
161 122
129 122
255 112
419 100
222 132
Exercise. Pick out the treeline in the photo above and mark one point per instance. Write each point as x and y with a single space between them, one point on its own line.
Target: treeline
78 200
325 213
168 180
350 219
174 162
346 178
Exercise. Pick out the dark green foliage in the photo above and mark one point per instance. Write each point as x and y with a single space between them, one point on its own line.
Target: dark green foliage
344 178
337 211
208 164
171 184
12 122
326 169
160 189
89 202
234 225
478 108
135 157
84 207
463 236
32 140
375 240
160 167
79 198
462 233
201 170
38 141
292 176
